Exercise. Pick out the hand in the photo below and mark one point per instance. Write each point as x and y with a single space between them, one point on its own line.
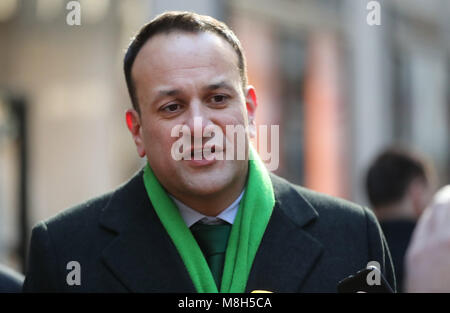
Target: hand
427 261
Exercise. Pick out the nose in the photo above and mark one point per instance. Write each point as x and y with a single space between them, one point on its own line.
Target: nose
197 120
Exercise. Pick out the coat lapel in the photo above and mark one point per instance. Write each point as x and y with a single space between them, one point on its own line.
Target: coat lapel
287 252
142 256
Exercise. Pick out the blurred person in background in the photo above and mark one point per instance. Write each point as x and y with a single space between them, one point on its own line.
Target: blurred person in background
167 229
427 261
10 281
399 189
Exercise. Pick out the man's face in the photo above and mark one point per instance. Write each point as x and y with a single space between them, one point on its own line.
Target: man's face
180 77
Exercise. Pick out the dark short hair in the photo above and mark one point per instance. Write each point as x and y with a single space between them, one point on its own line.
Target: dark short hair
185 22
390 175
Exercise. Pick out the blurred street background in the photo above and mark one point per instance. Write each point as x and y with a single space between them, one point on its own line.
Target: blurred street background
340 90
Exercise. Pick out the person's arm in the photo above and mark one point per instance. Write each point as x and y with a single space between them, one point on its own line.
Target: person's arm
42 262
10 281
378 249
427 265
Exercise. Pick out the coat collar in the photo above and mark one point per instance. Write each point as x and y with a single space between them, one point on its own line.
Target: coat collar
144 259
293 204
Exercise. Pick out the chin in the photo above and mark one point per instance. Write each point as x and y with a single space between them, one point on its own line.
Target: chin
206 184
211 181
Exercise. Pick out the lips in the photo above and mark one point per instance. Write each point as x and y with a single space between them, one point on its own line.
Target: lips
200 152
197 156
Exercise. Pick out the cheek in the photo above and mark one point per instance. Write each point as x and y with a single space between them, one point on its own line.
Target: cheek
158 139
233 116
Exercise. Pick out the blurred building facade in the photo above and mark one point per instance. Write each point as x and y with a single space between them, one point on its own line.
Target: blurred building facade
340 90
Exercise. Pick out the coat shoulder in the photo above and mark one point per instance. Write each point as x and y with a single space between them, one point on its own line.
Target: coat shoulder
79 216
85 217
326 206
330 205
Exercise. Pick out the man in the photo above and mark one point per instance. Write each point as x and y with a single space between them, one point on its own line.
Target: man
399 188
201 224
10 281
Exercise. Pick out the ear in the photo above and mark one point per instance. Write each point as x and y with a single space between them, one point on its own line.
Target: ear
134 126
251 104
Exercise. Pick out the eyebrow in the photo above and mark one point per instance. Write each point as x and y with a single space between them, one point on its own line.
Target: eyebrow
175 92
219 85
166 93
170 93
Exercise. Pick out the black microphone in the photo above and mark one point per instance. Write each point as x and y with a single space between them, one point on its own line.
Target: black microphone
368 280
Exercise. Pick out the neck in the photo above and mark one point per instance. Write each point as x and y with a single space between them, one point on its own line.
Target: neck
215 203
401 210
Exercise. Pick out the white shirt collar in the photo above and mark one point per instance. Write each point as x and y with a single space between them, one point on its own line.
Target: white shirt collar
190 216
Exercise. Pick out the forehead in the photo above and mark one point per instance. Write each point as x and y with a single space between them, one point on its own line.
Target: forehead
166 56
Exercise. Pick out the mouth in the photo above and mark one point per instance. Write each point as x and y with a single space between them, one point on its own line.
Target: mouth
203 156
200 152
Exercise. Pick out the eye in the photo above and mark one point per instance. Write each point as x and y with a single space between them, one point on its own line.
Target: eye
174 107
219 99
